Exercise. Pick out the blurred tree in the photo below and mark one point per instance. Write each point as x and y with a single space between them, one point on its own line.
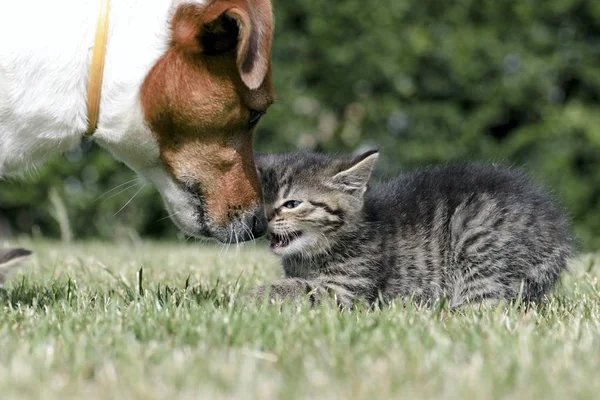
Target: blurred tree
515 82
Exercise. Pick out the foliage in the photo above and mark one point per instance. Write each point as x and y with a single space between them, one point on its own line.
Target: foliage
514 81
81 322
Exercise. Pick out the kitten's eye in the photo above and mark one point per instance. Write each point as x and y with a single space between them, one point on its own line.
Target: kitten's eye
255 116
292 204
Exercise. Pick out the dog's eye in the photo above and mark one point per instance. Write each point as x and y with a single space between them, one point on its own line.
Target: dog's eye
292 204
255 116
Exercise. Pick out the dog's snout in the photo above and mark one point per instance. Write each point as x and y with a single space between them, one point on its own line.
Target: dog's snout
253 225
259 224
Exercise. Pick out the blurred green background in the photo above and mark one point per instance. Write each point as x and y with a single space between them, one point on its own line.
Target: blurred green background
425 81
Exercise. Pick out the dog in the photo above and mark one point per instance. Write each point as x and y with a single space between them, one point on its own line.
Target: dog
184 84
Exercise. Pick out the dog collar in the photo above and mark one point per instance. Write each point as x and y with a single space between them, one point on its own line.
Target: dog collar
97 67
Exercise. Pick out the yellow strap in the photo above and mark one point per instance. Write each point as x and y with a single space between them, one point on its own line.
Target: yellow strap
97 67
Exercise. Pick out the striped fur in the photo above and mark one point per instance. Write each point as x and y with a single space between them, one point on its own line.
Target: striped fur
10 260
467 233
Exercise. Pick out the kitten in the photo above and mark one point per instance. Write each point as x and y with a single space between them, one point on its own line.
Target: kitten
467 233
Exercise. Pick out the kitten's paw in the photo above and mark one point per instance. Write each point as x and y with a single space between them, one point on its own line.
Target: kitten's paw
256 294
282 290
270 293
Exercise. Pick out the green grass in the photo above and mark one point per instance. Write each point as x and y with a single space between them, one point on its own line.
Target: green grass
75 323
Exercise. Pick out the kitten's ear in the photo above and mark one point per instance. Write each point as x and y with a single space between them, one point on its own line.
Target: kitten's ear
356 176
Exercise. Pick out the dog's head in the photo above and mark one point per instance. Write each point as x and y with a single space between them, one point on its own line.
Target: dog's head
202 100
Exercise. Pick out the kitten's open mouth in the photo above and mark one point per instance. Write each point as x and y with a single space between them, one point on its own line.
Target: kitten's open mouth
281 241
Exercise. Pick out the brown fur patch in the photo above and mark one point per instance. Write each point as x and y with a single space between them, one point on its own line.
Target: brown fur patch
199 108
193 23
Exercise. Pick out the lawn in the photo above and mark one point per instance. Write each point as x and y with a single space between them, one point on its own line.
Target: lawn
77 323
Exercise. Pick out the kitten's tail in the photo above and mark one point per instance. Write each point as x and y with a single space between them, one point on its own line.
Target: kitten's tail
10 259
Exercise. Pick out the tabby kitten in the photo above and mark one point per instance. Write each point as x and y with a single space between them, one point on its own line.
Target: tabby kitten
467 233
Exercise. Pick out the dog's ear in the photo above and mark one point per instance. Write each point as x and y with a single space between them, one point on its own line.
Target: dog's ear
224 25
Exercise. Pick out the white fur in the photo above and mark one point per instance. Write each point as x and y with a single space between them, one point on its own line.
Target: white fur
44 68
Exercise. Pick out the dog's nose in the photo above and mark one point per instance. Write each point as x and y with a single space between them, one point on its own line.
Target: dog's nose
259 224
254 226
